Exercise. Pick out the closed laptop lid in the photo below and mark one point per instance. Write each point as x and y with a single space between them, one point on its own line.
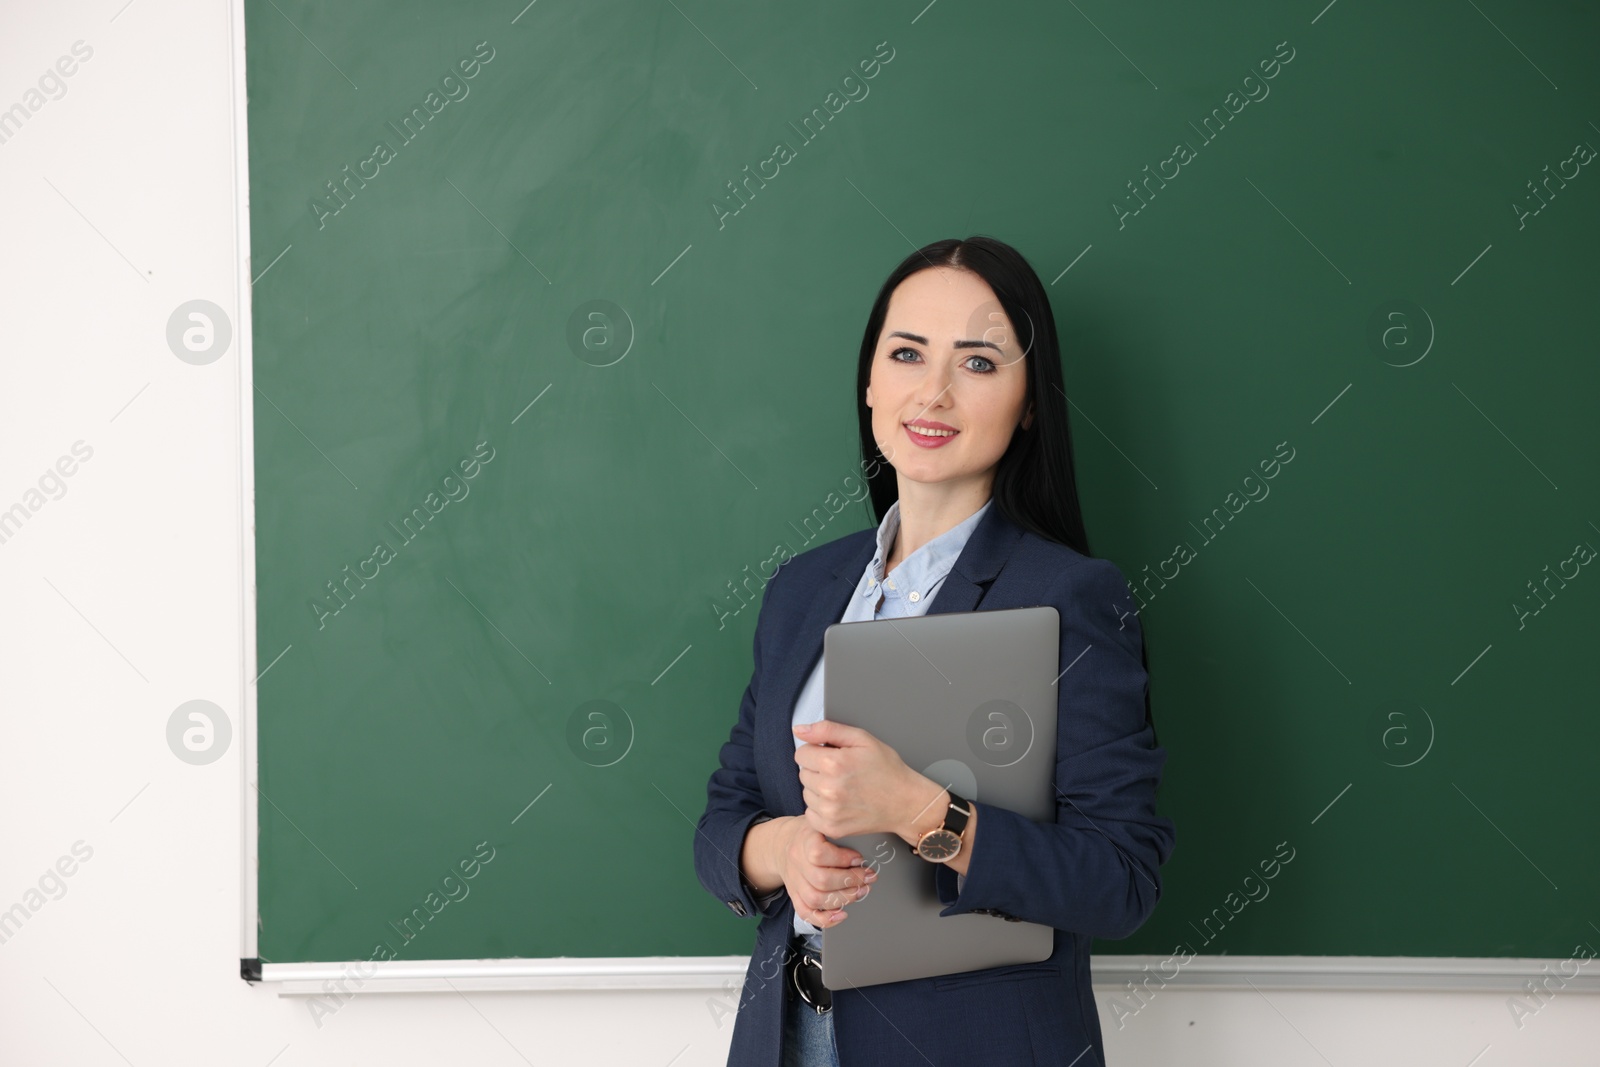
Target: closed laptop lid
968 699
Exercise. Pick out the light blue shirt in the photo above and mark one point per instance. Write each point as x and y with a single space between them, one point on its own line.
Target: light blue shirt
904 593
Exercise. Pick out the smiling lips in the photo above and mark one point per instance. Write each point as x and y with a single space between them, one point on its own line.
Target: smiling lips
927 434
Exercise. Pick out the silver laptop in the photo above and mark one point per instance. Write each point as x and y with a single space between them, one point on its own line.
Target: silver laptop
968 699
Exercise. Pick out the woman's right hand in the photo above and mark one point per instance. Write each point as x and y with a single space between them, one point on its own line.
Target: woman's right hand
821 877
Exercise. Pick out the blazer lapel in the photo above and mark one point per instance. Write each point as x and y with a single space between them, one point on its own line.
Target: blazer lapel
985 552
981 559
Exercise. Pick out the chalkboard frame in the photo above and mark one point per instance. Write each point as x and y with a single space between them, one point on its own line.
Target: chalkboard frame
1111 971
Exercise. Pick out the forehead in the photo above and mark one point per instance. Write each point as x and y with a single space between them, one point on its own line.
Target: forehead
946 305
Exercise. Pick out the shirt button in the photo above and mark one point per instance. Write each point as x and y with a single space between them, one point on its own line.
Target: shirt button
914 597
890 584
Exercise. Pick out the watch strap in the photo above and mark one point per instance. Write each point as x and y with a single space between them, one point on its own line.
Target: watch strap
957 813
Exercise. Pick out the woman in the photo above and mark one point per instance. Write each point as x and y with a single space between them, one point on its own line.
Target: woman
965 443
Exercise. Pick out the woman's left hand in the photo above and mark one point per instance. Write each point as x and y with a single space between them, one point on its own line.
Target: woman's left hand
858 784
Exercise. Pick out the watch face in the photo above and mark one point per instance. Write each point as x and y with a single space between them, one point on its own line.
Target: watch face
939 845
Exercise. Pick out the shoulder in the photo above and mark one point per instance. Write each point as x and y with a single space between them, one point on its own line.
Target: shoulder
817 565
1086 590
788 594
1063 568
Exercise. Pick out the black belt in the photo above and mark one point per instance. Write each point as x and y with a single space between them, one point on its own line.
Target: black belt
805 978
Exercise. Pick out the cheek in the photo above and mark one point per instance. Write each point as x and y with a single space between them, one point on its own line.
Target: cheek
886 407
999 426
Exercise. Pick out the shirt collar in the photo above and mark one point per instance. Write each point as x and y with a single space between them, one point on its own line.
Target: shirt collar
927 564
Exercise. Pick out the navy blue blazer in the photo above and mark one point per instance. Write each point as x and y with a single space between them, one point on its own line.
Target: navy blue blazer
1094 873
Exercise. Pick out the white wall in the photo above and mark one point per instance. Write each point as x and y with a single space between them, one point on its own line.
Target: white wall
123 600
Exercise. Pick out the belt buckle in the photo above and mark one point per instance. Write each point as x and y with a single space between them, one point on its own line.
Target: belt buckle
805 959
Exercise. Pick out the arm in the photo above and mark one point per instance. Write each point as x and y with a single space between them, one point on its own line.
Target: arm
734 804
1096 870
763 844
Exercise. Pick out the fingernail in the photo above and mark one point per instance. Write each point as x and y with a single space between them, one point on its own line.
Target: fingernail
872 876
864 891
856 862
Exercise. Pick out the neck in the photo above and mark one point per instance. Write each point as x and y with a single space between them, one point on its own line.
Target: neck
927 511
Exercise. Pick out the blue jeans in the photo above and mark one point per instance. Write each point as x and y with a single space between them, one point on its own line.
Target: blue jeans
807 1037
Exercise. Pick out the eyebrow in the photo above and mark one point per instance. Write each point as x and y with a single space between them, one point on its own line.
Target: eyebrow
959 344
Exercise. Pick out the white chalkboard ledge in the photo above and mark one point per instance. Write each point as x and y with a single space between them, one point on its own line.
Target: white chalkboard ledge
1112 974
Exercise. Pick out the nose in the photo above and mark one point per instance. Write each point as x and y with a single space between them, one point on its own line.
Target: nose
934 387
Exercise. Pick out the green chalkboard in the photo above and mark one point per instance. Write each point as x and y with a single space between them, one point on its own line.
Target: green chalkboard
555 319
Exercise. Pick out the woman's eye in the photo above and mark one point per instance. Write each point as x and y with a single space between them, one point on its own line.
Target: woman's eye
987 366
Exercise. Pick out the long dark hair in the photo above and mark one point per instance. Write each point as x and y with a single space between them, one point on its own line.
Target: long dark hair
1034 485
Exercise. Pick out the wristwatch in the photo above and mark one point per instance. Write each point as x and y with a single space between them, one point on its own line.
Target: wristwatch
942 843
